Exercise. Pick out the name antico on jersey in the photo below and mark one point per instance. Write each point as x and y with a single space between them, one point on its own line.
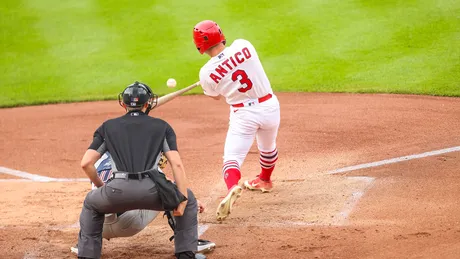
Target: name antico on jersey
238 58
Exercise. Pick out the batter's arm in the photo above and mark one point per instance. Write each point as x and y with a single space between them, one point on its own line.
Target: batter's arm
207 86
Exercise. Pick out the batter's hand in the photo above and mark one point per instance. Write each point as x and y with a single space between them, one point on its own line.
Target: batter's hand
200 206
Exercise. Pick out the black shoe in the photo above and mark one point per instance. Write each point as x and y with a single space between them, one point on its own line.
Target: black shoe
186 255
205 246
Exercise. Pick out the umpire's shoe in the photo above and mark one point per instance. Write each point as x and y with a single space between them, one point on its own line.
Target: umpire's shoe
190 255
205 246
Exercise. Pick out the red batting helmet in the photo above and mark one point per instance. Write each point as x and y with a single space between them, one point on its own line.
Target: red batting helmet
207 34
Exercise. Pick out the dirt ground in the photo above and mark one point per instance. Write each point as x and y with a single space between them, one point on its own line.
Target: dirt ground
408 209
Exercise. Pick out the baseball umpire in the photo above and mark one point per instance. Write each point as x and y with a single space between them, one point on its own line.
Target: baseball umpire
130 223
135 142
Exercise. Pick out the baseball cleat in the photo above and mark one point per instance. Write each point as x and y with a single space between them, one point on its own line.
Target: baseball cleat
259 184
205 246
74 249
225 206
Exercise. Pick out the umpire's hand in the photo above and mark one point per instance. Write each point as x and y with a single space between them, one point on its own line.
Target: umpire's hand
179 211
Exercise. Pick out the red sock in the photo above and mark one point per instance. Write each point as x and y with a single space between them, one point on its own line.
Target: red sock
267 163
232 174
266 174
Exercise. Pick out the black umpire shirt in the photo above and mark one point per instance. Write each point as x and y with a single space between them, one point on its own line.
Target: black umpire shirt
135 141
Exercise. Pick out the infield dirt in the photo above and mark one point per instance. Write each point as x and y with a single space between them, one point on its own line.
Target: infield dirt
403 210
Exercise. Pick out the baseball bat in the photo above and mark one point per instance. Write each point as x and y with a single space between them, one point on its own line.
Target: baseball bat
166 98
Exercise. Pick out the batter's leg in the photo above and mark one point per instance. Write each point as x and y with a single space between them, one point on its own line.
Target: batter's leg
240 136
266 141
268 152
128 224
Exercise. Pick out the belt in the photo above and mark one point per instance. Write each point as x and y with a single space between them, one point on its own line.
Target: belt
135 176
260 100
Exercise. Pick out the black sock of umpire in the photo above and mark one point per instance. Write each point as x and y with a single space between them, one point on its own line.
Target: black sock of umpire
185 255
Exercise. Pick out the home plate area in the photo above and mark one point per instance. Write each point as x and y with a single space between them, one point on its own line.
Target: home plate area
317 200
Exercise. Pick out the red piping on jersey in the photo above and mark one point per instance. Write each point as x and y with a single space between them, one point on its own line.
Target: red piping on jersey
261 100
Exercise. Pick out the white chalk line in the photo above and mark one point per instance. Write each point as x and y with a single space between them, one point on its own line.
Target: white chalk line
202 229
48 181
394 160
33 177
28 177
342 217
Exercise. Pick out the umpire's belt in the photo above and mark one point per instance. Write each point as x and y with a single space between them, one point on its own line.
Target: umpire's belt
126 175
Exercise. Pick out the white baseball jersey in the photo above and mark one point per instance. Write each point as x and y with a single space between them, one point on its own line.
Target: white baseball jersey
236 73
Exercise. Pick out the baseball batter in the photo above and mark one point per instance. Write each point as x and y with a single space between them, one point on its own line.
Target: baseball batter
131 222
236 73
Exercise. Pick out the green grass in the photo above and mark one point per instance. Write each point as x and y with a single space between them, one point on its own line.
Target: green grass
53 51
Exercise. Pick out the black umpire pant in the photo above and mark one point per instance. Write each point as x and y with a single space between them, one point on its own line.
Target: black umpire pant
120 195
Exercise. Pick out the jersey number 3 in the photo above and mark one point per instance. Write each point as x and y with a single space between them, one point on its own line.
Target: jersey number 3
242 77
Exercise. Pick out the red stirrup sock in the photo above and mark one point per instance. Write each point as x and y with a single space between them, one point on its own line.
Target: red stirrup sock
232 174
267 163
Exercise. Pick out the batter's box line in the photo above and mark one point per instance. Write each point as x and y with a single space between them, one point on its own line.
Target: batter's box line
28 177
341 219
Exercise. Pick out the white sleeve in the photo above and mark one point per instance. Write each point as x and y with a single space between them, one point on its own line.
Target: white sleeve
207 87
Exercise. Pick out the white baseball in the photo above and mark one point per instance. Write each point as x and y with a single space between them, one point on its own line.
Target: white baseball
171 82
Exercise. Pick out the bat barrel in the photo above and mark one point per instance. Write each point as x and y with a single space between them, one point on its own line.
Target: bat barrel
169 97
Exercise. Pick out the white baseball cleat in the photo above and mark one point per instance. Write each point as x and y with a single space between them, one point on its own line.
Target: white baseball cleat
205 246
225 206
74 249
